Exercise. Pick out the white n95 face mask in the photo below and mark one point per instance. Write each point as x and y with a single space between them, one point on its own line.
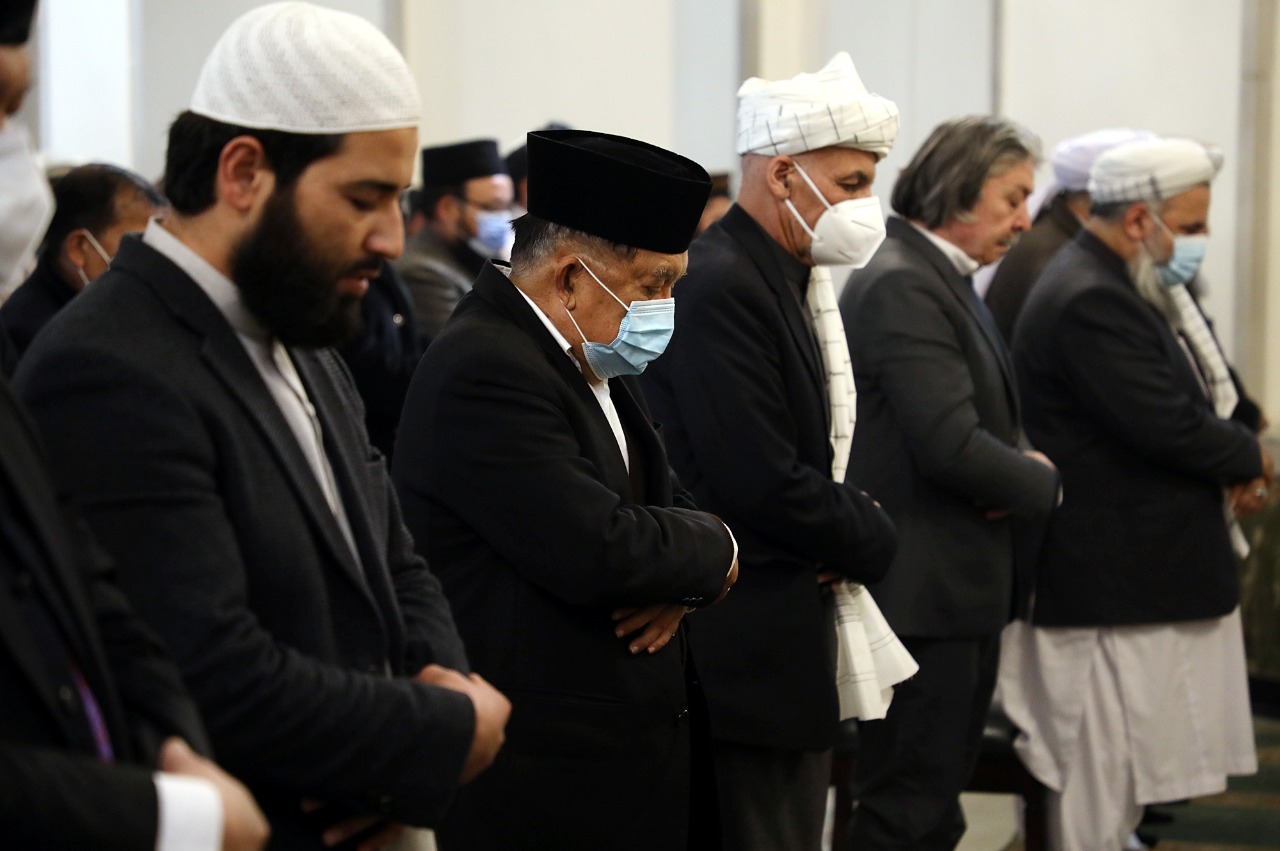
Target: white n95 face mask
847 233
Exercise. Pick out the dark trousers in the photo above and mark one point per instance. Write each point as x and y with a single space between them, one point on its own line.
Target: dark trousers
912 765
771 800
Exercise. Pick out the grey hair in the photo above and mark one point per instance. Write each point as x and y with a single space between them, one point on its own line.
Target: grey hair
1113 211
944 179
537 239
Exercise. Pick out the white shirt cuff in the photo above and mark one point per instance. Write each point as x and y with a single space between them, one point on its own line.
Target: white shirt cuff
190 814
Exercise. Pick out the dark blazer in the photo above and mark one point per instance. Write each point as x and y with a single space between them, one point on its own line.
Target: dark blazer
1054 228
514 486
54 792
33 304
938 441
189 475
741 392
383 355
1111 397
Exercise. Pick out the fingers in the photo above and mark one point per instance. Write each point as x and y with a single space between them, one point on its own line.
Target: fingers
347 828
636 620
658 625
383 838
437 675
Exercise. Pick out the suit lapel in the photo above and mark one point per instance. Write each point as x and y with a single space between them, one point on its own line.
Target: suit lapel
33 496
227 359
647 451
754 242
962 289
494 288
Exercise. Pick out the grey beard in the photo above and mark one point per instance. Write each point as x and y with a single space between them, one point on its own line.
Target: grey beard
1142 270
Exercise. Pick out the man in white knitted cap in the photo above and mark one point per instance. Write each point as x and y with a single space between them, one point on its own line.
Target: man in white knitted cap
191 403
940 444
1128 679
755 394
1056 221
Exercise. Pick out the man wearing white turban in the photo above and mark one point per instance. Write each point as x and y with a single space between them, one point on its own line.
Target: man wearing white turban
191 403
756 397
1128 680
940 444
1056 222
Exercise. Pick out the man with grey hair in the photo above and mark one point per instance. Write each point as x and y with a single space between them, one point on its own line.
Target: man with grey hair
1128 681
756 397
195 410
940 444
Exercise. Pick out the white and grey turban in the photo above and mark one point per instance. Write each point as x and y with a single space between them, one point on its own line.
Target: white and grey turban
1152 170
828 108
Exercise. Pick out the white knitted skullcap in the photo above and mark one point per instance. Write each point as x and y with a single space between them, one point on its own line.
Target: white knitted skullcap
1152 170
301 68
827 108
1072 158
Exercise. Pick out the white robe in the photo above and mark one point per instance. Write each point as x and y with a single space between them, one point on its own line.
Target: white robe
1173 698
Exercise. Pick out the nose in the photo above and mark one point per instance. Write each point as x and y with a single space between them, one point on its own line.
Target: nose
1022 220
387 237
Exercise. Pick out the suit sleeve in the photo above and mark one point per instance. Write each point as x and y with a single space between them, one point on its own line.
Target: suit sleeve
503 457
1118 368
729 386
433 292
55 799
145 469
908 343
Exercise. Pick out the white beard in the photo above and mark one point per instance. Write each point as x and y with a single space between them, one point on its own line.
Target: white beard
1142 270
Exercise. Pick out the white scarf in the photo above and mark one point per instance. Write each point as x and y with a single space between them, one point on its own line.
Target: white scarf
1221 389
870 660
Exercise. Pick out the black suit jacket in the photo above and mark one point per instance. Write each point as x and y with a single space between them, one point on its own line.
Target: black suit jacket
33 304
1111 397
515 488
1023 264
54 793
938 441
741 392
159 423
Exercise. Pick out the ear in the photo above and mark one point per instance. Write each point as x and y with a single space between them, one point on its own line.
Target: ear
244 175
564 272
778 176
1135 221
448 209
76 248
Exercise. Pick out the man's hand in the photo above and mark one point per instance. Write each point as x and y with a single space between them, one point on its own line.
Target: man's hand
244 828
1248 498
1268 466
492 711
15 78
339 832
657 625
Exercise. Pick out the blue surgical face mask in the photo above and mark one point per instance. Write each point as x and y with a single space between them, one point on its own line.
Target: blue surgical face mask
494 234
1184 263
642 336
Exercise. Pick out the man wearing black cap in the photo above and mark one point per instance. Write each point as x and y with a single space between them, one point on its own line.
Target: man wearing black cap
466 201
533 479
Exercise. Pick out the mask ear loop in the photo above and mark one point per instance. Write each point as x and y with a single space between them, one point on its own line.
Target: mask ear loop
601 283
97 246
792 207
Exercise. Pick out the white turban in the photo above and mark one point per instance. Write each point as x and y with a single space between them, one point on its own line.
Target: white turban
1151 170
812 111
301 68
1072 158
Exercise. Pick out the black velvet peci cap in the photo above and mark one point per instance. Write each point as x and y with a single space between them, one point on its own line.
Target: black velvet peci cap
15 21
628 192
453 165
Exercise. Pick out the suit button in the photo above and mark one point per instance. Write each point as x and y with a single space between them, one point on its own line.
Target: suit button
681 717
693 602
67 697
397 320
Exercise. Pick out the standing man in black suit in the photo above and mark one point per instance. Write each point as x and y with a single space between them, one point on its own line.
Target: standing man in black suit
940 444
1128 682
755 422
94 723
533 477
192 406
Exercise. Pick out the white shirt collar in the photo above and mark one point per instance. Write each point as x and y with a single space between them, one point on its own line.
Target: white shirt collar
561 340
963 263
218 287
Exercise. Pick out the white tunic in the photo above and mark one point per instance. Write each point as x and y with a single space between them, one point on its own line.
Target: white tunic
1183 698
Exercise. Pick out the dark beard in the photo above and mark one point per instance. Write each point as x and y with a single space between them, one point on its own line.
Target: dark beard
289 285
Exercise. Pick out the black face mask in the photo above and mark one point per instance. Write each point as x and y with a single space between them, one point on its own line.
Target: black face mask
290 285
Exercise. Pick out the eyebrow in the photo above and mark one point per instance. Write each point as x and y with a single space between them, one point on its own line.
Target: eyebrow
380 186
665 273
858 176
